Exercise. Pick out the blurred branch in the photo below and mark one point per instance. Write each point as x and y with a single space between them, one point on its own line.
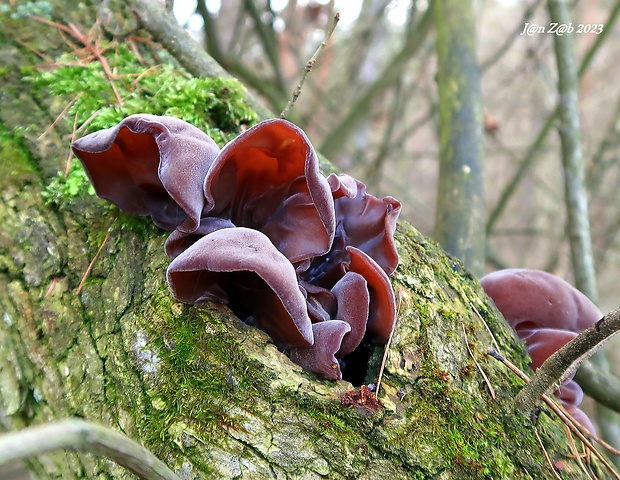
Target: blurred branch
366 30
510 38
269 43
165 29
265 88
576 200
80 436
459 219
530 156
600 169
212 42
598 166
575 196
609 23
602 386
358 112
608 238
532 152
374 167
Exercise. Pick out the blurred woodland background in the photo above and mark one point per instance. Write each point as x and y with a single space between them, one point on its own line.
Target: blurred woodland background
373 106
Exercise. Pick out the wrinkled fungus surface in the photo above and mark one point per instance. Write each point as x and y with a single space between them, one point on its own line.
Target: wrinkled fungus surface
546 312
257 226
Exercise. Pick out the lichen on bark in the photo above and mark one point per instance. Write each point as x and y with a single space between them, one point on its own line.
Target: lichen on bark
209 394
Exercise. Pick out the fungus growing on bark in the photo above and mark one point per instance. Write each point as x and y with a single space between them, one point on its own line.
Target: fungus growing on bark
546 312
150 165
268 179
320 358
241 267
362 221
257 226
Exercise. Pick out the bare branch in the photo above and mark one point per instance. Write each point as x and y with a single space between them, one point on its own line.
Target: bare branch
80 436
183 47
532 152
310 64
563 363
392 72
603 387
269 43
460 215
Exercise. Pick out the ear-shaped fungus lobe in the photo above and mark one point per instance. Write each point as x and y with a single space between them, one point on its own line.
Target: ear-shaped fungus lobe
179 241
150 165
544 342
321 357
362 221
241 267
368 223
382 308
534 299
268 179
353 302
546 312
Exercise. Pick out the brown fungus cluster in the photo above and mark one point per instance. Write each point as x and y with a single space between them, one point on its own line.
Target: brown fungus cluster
256 226
546 312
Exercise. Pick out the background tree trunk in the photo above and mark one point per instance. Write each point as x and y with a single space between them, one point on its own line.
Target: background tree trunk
211 396
460 214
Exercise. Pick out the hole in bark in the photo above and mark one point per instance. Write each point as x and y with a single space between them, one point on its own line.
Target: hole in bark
355 365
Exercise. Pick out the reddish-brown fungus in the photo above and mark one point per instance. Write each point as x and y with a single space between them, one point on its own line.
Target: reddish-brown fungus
150 165
241 267
546 312
257 226
321 357
268 179
382 309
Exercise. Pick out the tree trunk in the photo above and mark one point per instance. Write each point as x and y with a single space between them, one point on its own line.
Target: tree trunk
211 396
460 215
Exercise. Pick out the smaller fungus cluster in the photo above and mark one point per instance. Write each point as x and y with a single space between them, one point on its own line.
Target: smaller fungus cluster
546 312
256 226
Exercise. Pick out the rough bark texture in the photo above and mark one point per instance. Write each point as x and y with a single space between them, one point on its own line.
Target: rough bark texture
212 397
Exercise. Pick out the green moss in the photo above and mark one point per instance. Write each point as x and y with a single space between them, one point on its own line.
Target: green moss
445 430
215 105
27 9
16 166
200 396
63 189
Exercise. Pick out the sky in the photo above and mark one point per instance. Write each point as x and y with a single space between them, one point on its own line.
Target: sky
349 10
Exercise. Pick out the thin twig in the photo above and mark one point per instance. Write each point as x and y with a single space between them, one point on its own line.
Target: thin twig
62 114
92 263
80 436
70 157
387 347
309 65
563 362
568 420
94 49
546 455
484 375
51 287
495 344
576 453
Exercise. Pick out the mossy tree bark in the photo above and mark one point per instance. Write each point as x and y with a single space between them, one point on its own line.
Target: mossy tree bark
212 397
460 216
